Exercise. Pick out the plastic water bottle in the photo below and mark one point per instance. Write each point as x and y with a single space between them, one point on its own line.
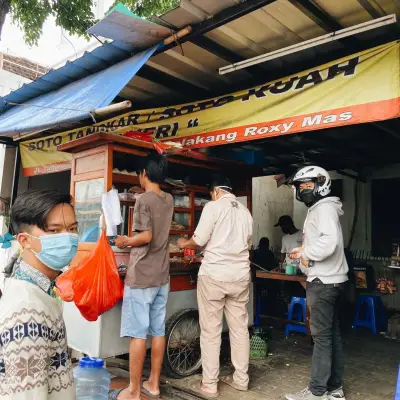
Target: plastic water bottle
92 380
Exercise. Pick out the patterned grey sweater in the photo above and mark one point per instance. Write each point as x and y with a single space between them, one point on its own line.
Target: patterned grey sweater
34 361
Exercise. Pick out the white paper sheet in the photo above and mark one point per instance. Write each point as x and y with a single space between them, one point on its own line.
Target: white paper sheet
112 211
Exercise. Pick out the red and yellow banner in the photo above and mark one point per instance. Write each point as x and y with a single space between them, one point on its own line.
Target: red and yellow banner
360 88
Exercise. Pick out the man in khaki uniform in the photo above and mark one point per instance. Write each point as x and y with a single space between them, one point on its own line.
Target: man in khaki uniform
225 231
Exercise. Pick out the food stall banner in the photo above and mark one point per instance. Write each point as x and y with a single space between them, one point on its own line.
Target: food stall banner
360 88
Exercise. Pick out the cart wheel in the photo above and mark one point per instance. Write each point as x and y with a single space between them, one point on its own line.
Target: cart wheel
182 355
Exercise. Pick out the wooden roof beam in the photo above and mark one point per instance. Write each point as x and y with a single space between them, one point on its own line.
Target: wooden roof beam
322 19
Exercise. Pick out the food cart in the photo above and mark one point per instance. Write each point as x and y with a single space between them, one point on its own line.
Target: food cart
103 161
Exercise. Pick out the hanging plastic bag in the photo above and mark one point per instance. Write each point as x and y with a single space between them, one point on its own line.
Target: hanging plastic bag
65 285
94 286
144 136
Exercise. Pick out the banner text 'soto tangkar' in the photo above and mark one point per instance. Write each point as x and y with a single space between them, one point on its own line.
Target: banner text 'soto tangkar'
360 88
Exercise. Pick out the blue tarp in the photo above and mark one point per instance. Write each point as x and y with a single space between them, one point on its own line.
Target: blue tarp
74 101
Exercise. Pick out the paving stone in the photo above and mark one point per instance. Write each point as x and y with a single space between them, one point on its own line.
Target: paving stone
371 369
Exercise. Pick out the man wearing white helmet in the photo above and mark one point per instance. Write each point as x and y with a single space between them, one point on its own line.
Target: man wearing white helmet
323 253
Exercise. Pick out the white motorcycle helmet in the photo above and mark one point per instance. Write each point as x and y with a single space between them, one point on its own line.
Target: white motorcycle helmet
315 174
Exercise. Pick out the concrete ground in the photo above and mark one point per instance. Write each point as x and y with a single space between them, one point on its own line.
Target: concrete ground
371 370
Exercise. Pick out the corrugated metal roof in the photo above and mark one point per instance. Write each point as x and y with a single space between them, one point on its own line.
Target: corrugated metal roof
190 71
277 25
122 24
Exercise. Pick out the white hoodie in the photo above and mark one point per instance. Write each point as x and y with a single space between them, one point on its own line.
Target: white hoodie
323 242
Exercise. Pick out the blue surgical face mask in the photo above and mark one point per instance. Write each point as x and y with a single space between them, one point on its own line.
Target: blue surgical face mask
58 250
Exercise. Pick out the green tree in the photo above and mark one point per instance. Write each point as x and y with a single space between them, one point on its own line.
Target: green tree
74 16
147 8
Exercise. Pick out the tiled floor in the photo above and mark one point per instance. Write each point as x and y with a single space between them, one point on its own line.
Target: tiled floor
371 370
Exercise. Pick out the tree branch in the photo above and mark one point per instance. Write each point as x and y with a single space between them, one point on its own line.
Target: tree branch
5 6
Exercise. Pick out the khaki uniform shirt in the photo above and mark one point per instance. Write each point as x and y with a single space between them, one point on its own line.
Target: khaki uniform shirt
225 230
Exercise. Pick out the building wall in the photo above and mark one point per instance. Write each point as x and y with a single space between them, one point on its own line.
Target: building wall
10 81
362 236
59 181
7 160
21 66
269 203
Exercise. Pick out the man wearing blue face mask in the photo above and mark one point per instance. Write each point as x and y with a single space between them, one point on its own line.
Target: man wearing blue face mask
34 362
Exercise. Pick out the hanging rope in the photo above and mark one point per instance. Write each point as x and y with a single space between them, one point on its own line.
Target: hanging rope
355 216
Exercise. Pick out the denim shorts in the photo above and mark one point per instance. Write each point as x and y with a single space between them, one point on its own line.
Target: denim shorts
143 312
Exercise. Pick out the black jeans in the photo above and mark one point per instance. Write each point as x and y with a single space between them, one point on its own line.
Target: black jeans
327 361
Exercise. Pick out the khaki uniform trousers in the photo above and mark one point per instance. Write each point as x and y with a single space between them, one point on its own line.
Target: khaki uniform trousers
216 298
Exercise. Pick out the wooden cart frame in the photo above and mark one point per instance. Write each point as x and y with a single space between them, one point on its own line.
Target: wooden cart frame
95 159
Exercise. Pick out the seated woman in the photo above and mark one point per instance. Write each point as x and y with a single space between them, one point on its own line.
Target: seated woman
263 256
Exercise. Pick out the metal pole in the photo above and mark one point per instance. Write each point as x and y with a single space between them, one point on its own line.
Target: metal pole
17 167
112 108
222 18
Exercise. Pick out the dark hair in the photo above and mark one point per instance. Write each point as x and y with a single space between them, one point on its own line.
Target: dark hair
220 180
32 207
155 165
264 243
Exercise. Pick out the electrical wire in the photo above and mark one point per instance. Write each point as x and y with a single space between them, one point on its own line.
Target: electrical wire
34 105
82 26
65 37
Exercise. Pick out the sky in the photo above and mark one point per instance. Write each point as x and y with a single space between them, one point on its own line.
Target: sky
52 48
12 42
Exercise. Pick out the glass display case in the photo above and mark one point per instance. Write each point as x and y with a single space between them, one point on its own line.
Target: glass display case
88 205
102 161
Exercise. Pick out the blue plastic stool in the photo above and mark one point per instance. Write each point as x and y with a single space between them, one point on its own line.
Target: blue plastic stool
397 394
373 308
301 315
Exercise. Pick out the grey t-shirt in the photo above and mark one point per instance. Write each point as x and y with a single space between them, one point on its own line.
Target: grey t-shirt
149 265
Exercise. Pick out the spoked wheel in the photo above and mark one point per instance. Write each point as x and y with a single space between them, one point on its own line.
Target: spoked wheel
182 355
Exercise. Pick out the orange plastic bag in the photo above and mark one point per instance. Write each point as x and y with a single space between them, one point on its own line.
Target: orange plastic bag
65 283
95 285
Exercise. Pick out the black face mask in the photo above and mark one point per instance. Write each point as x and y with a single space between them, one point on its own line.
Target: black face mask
307 197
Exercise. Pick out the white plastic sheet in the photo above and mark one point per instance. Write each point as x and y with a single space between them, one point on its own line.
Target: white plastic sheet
111 211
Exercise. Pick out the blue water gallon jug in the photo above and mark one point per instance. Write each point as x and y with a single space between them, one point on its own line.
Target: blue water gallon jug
92 380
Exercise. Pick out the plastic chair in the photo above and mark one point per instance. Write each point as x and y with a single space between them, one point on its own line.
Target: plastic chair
298 307
373 307
91 234
397 394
